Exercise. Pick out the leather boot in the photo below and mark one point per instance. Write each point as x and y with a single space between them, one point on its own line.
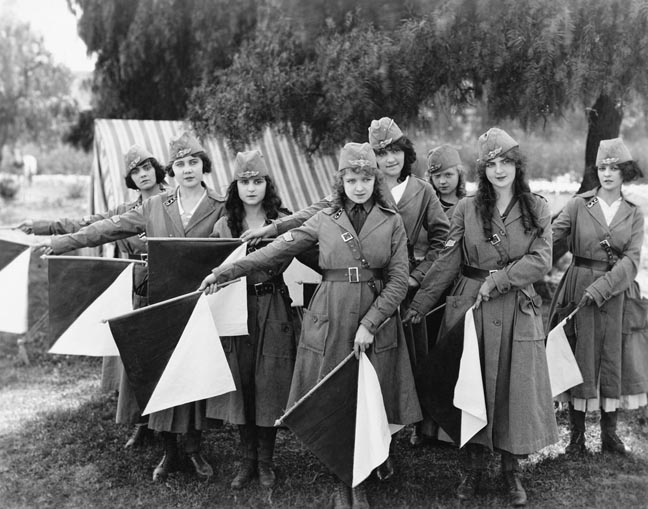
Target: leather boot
610 441
247 470
513 481
342 496
267 438
359 497
169 461
192 448
577 433
141 435
472 459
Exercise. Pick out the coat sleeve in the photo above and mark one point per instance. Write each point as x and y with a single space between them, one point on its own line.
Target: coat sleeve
445 268
277 253
622 275
562 225
66 225
297 219
437 226
532 266
116 227
395 289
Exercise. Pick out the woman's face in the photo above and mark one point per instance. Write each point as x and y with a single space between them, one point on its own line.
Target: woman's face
252 190
143 176
610 177
358 186
500 172
390 161
188 171
446 181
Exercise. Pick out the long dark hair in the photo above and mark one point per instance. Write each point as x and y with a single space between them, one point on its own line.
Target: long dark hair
340 197
485 198
403 143
236 211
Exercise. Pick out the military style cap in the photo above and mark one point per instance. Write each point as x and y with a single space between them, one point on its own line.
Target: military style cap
135 156
441 158
494 143
612 151
383 132
184 145
357 156
249 164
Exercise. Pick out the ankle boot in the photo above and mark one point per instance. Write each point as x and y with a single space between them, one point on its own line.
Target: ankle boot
577 433
472 459
169 461
192 448
342 496
610 441
247 470
359 497
513 481
267 437
141 435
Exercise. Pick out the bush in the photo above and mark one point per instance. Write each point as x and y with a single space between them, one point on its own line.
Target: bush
9 188
76 190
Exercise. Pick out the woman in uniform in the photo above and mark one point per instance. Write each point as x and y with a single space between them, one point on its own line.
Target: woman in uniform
605 233
262 362
359 236
190 211
144 174
447 175
499 245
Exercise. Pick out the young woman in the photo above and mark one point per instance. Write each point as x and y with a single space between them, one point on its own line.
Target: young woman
345 312
605 232
262 362
447 176
499 245
143 173
191 211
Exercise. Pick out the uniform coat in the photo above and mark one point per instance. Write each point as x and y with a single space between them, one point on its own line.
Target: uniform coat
338 308
597 328
158 216
262 362
509 326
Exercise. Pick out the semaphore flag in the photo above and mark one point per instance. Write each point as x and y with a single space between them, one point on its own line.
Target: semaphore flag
14 282
172 353
564 372
342 420
82 290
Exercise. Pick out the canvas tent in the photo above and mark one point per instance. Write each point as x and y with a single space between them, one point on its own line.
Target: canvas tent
299 180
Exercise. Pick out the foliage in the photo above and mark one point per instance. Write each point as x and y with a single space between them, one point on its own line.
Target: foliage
81 133
34 91
9 188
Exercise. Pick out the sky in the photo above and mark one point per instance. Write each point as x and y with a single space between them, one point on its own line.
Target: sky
53 20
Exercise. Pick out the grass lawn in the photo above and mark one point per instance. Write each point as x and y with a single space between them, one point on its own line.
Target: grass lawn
60 447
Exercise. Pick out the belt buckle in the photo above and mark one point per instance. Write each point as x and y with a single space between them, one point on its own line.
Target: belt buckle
354 274
346 236
495 239
258 288
144 257
605 244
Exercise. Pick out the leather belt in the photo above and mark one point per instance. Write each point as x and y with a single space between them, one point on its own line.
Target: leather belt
476 273
352 274
579 261
266 288
142 256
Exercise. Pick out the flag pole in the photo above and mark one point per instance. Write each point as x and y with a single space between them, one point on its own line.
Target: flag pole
93 258
168 301
279 421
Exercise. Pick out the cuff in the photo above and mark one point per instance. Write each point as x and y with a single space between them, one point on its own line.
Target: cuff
501 280
369 325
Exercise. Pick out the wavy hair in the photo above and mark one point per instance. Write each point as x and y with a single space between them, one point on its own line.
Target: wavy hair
340 197
403 143
460 190
485 198
235 209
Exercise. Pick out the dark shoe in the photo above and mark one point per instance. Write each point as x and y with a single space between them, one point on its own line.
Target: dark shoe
267 475
169 461
416 439
246 473
515 489
359 497
141 435
610 441
201 467
469 485
342 497
386 470
576 443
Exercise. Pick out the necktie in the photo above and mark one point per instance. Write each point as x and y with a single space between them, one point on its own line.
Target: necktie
358 217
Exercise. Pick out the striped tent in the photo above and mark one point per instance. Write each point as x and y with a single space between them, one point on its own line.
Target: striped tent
300 180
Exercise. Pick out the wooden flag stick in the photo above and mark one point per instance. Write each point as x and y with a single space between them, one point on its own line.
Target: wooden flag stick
93 258
158 304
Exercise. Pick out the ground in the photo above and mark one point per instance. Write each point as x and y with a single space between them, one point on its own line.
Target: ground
60 446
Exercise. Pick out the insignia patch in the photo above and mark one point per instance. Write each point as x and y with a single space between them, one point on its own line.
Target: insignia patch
592 202
170 201
338 214
142 235
115 219
288 237
450 242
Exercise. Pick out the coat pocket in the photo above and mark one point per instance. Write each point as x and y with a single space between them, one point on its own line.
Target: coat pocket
635 315
314 331
456 308
387 338
278 339
528 317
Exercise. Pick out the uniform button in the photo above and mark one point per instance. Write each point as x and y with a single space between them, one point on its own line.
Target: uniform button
497 323
315 319
286 328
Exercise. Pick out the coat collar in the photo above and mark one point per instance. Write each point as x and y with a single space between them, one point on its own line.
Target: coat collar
374 219
209 204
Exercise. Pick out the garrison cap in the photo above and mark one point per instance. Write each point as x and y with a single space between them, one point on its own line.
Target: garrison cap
135 156
612 151
494 143
249 164
357 156
441 158
383 132
183 145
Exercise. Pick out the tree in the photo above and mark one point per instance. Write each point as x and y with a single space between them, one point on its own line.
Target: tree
34 91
